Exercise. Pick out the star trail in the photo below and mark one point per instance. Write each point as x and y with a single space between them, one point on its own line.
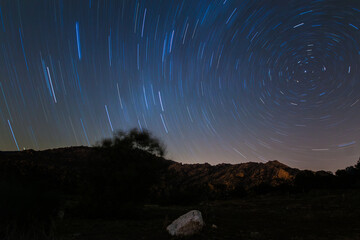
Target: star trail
218 81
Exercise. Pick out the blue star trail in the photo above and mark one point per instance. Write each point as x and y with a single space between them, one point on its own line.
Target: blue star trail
217 81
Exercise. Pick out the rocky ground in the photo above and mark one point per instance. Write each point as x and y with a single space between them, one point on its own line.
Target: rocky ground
127 193
314 215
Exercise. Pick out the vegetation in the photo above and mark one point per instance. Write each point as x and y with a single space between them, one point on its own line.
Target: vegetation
118 184
135 139
316 215
110 181
113 183
357 165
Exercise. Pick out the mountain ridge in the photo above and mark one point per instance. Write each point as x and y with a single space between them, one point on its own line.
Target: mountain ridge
147 176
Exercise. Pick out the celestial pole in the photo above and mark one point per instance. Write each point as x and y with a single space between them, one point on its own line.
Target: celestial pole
217 80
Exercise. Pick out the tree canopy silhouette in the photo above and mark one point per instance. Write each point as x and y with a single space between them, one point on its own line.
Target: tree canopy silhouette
135 139
357 165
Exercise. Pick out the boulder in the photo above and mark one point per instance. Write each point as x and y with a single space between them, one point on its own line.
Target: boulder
187 224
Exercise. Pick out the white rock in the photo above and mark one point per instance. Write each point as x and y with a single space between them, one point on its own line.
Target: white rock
187 224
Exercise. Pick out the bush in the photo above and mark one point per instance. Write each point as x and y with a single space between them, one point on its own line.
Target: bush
357 165
120 182
135 139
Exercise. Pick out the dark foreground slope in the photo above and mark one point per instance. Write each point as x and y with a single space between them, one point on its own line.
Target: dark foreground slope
317 215
104 193
153 178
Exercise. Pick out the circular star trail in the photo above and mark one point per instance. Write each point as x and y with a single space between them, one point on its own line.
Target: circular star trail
217 81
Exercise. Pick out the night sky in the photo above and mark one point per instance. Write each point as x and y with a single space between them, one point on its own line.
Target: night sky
218 81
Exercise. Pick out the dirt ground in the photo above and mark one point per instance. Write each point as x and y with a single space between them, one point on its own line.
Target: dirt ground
315 215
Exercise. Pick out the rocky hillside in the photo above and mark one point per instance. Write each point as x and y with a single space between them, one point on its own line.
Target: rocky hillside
141 175
120 182
64 162
249 174
182 181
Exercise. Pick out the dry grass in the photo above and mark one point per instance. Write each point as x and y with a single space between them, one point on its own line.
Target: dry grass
316 215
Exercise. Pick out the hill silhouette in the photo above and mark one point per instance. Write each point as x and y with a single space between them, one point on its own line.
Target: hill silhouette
118 176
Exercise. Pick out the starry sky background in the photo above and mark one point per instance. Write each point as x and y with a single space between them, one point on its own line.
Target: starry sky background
218 81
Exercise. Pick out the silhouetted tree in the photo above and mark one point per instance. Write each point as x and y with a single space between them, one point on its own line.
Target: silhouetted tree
357 165
135 139
106 143
304 180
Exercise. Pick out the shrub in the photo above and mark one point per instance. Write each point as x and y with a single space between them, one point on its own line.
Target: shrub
134 139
